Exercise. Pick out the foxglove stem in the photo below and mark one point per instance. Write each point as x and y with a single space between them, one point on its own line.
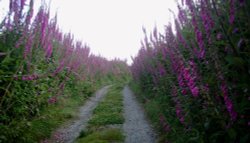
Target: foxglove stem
178 109
232 11
228 102
223 28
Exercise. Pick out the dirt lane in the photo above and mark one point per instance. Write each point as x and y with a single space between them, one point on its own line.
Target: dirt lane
71 130
137 129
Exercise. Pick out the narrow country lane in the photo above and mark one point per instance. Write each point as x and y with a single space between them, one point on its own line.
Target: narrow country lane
137 129
70 131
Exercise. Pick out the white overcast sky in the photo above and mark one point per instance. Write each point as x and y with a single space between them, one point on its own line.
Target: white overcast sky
112 28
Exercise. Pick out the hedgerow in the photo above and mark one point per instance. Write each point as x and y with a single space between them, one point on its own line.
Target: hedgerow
39 65
197 73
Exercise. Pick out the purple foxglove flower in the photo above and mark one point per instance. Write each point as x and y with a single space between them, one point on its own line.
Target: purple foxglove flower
52 100
232 11
195 91
242 2
228 102
219 36
236 30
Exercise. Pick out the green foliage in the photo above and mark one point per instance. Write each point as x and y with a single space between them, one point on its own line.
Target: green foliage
49 118
110 110
104 136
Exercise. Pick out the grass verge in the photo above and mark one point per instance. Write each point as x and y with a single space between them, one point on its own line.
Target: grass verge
54 115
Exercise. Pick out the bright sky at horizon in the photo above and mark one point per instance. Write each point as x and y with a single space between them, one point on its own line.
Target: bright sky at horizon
112 28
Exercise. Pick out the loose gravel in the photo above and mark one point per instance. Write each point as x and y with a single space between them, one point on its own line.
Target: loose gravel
136 128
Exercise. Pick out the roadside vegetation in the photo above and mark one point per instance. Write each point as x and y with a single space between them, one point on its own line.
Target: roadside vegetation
194 77
45 74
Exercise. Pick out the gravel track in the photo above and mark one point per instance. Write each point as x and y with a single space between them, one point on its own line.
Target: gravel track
71 130
136 128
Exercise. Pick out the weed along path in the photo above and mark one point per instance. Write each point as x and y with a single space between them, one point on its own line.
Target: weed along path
70 131
136 127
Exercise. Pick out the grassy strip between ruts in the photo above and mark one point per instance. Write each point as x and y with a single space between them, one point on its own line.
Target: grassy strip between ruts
106 122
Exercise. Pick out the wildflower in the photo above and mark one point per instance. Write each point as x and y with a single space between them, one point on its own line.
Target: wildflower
206 88
11 6
29 77
59 68
242 2
232 11
164 123
178 109
22 4
15 77
191 82
52 100
182 15
180 80
184 91
208 23
197 31
49 50
30 14
195 91
228 102
16 14
161 69
219 36
200 42
45 141
236 30
19 42
240 43
179 34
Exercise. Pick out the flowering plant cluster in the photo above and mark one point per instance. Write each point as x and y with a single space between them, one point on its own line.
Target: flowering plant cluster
38 63
198 72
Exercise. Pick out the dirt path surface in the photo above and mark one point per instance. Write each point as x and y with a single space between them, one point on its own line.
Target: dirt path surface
71 130
137 129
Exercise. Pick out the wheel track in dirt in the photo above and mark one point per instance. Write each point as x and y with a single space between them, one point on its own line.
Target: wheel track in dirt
136 128
72 129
